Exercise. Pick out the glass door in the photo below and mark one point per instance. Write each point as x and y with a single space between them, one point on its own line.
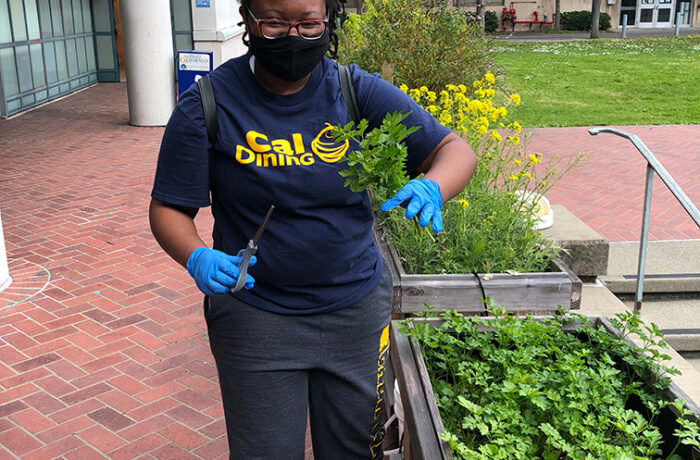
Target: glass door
105 40
656 13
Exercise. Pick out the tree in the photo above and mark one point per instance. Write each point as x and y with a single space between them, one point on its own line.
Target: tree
481 15
557 13
595 19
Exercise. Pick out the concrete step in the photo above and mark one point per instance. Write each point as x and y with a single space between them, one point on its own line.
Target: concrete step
693 358
677 315
671 267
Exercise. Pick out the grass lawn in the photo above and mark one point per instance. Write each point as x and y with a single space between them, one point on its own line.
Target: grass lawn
642 81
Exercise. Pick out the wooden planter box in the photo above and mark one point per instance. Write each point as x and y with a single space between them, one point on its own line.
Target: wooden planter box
520 292
422 422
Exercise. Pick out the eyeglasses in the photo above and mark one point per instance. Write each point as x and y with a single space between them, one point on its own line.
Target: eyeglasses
278 28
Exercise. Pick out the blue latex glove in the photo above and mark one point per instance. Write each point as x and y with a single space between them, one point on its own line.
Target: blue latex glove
216 272
425 198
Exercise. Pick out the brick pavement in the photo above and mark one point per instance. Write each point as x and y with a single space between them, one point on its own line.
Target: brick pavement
103 350
607 192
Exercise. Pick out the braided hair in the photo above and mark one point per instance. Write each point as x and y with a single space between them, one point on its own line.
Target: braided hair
334 8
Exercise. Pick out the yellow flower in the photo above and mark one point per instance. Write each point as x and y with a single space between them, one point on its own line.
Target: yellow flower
514 139
431 96
404 88
517 162
483 129
414 94
517 127
526 174
432 110
423 89
464 203
513 177
490 78
445 118
496 136
515 99
534 159
462 89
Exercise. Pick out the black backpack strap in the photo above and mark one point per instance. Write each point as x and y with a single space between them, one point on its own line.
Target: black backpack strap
206 93
348 90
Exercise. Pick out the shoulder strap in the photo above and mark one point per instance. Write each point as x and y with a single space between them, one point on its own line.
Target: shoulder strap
348 90
206 93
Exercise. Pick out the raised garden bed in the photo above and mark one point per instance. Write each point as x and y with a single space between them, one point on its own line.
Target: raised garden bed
423 423
523 292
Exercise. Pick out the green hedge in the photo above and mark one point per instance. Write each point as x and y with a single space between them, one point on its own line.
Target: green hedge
491 20
581 20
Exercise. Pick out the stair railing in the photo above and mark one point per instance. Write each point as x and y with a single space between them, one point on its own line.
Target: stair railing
653 166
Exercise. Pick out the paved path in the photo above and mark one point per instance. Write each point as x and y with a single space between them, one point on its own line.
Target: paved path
607 191
103 351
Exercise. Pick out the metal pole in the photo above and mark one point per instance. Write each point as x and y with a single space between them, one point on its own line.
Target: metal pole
678 23
644 238
624 26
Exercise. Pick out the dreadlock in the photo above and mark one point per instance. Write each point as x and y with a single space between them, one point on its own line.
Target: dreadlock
334 9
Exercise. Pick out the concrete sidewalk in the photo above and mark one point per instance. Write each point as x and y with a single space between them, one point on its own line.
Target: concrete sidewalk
631 32
103 348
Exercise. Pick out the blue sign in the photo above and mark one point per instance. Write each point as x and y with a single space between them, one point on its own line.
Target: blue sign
191 66
203 4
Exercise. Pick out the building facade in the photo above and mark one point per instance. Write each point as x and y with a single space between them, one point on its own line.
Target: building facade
51 48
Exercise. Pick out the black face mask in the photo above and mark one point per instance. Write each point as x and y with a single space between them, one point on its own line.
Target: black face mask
290 58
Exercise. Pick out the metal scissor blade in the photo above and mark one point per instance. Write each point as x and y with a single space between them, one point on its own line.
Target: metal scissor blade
261 229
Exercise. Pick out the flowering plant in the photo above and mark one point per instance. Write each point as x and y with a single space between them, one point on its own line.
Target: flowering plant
489 226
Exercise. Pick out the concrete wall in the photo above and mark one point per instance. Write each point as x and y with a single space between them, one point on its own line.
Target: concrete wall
215 28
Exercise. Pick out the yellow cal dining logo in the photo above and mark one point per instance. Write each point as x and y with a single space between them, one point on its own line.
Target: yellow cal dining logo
269 153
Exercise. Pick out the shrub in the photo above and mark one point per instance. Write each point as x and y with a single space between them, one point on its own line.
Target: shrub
425 45
581 20
491 21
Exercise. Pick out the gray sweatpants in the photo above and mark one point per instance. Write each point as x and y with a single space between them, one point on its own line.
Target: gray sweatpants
274 368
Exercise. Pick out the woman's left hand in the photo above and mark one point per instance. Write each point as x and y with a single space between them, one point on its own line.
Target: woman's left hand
425 197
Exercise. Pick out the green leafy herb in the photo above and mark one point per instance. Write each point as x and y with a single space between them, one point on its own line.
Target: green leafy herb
525 389
378 164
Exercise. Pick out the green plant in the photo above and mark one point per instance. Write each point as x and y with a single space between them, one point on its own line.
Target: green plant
514 388
424 44
581 20
489 227
491 21
378 163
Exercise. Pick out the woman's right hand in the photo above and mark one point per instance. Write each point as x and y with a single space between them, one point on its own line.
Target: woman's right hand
216 272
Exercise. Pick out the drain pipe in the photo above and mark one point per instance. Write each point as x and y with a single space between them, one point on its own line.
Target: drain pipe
5 279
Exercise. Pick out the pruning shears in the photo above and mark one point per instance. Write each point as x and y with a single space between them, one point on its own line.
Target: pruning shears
246 253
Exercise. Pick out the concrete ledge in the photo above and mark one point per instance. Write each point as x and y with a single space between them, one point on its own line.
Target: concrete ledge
586 250
671 267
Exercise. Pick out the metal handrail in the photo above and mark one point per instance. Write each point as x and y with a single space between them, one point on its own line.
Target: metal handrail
653 165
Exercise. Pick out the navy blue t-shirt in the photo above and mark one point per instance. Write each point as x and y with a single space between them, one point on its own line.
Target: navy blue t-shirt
317 253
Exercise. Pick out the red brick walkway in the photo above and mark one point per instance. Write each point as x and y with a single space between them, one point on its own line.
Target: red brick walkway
607 192
103 350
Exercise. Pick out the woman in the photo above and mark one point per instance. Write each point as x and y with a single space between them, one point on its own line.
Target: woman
309 334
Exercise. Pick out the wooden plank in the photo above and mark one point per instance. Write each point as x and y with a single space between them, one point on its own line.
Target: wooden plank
531 291
419 432
430 399
390 261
